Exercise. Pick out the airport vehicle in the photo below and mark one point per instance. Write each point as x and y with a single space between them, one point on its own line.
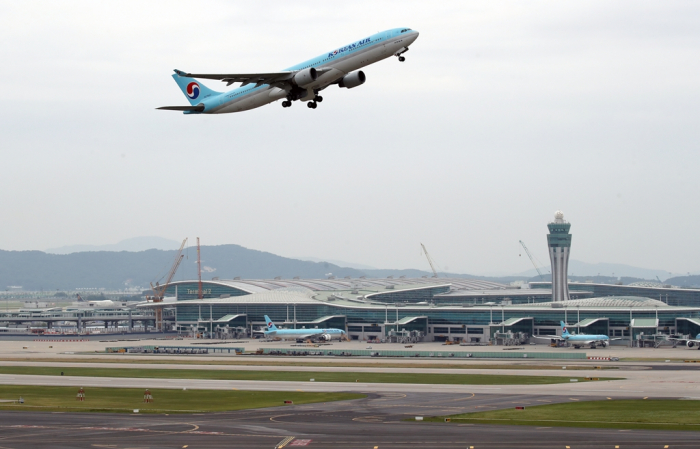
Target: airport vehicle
301 334
580 340
301 82
689 342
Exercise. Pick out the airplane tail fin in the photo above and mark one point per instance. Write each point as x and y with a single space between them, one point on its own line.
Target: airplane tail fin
564 331
270 325
193 89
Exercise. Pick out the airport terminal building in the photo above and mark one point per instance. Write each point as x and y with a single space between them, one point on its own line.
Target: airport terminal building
438 309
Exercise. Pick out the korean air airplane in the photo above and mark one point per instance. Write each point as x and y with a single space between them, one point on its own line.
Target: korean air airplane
579 340
302 334
302 82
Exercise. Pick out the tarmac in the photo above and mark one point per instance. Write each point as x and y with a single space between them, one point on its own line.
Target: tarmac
376 422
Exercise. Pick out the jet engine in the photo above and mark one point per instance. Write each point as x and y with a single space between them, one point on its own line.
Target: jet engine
605 344
690 344
305 77
325 337
353 79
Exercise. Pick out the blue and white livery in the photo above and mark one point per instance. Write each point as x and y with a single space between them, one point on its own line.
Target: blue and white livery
301 334
302 82
579 340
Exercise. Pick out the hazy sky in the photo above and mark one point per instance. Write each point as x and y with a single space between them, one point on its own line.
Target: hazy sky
503 113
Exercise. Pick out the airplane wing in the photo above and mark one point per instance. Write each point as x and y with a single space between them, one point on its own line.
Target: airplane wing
550 337
259 79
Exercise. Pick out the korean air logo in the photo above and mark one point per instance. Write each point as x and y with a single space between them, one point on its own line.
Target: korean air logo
565 331
269 324
193 90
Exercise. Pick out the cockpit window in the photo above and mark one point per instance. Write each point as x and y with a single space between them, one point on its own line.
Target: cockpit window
405 30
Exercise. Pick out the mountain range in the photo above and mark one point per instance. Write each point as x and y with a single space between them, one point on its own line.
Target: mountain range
128 264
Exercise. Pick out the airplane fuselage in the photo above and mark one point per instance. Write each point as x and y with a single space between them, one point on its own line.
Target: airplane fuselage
303 333
336 63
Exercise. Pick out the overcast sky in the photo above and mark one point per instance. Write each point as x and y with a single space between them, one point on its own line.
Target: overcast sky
503 113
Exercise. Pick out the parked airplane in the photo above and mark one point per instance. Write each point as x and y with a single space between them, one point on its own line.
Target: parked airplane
301 82
580 340
689 342
301 334
99 304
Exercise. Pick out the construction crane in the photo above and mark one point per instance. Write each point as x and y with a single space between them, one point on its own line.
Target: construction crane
430 260
200 295
159 289
527 251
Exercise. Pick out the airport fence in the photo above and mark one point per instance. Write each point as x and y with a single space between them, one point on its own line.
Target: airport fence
174 350
428 354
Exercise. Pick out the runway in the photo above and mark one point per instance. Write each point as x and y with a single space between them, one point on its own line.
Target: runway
366 423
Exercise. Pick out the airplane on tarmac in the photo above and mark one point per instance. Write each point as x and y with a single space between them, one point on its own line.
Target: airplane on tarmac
99 304
301 334
580 340
301 82
689 342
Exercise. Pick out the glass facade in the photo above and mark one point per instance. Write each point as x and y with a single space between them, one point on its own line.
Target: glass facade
681 297
189 290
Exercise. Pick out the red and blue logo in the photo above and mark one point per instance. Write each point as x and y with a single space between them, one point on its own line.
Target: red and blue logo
192 90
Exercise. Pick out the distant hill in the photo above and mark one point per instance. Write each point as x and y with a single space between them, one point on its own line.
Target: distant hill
578 268
133 244
36 270
684 281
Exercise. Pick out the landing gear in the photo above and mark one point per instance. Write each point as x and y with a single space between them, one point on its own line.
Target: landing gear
286 103
402 58
311 105
318 98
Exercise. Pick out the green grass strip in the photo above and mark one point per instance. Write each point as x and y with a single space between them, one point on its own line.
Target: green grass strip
125 400
295 376
648 414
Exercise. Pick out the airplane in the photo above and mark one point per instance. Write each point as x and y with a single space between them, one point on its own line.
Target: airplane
301 82
580 340
301 334
99 304
689 342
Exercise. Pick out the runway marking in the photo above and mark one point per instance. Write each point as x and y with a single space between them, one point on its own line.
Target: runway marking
272 418
284 442
132 429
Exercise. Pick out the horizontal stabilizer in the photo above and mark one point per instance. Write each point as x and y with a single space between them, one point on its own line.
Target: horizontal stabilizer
197 108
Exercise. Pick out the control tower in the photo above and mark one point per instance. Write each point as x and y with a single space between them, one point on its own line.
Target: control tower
559 242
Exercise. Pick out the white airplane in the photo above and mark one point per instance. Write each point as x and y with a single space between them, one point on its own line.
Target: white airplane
301 82
107 303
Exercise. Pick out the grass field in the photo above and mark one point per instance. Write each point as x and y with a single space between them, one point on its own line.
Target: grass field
649 414
164 401
244 361
404 378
